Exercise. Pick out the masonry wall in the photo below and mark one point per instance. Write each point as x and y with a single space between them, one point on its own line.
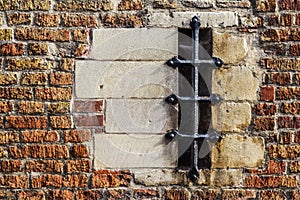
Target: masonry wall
47 147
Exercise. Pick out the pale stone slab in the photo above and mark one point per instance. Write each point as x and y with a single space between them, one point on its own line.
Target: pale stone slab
140 116
231 117
95 79
231 49
236 151
134 151
134 44
236 83
182 19
226 177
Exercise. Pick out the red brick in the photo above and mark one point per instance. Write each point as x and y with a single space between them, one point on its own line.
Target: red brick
6 106
295 194
89 194
295 50
43 34
294 166
18 64
12 49
30 107
286 19
267 93
284 152
54 94
290 108
275 49
122 20
289 5
286 122
278 78
88 106
26 122
75 181
283 64
265 109
268 5
60 194
32 195
59 108
46 19
72 20
177 194
67 64
297 22
9 166
61 122
83 5
80 151
209 194
78 166
6 34
108 178
77 136
230 194
8 79
296 78
81 35
287 93
61 78
40 151
8 137
88 120
295 36
38 49
145 193
19 19
44 166
47 180
112 194
39 136
14 181
264 123
16 93
254 181
131 5
273 20
278 195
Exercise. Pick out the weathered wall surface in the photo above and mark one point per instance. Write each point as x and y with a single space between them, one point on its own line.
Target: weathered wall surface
61 72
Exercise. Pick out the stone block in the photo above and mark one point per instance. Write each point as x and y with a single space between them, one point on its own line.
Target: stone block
236 83
231 117
134 44
231 49
139 116
95 79
235 151
134 151
226 177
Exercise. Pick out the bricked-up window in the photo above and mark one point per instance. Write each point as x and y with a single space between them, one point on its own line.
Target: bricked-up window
185 52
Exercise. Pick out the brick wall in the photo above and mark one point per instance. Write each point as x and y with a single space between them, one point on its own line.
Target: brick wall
47 145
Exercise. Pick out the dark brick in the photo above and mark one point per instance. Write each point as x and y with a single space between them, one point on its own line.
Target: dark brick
12 49
290 108
265 109
89 194
26 122
206 194
289 5
60 194
295 50
286 19
278 78
145 193
267 93
287 93
113 194
264 123
177 194
270 181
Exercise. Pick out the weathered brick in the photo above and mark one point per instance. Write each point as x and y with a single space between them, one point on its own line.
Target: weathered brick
296 78
46 19
77 136
285 137
44 166
108 178
264 123
19 19
283 64
81 35
295 50
6 34
131 5
112 194
60 194
275 49
89 194
274 167
67 64
28 64
285 152
278 195
177 194
78 166
88 106
122 20
61 78
286 19
26 122
71 20
3 152
38 49
43 34
40 151
58 108
34 79
297 137
39 136
76 181
47 180
83 5
12 49
288 122
6 106
287 93
273 20
145 193
267 93
54 94
61 122
8 79
80 151
270 181
297 21
290 108
167 4
8 137
230 194
89 120
265 5
294 35
289 5
30 107
32 195
295 194
295 166
265 109
9 166
82 50
277 35
14 181
278 78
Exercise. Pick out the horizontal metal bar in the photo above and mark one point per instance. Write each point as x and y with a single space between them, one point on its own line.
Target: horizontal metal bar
196 61
199 98
197 135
